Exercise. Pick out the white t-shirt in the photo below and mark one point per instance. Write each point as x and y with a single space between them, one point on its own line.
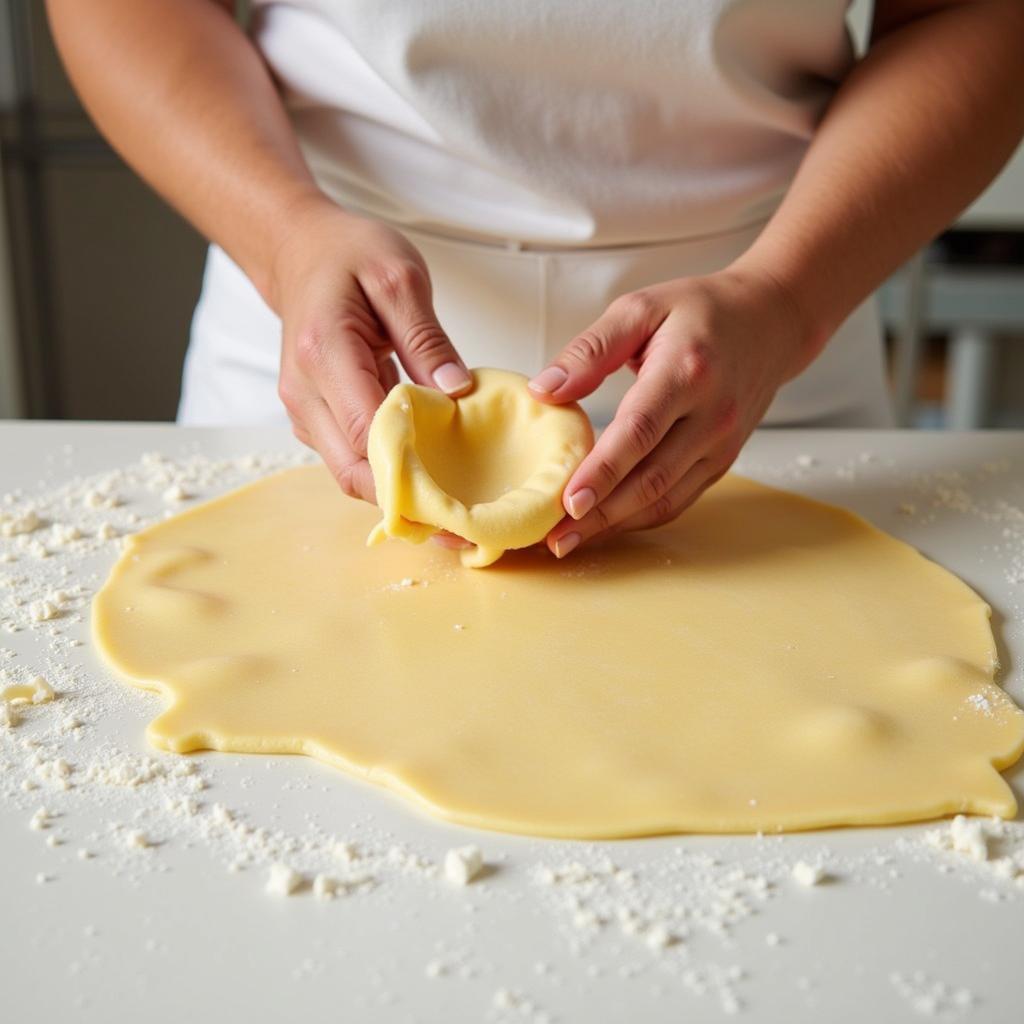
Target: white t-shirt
557 122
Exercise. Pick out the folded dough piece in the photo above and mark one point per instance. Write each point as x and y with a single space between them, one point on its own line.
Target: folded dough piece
489 466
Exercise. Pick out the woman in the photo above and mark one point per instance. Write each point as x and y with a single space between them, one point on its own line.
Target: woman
704 194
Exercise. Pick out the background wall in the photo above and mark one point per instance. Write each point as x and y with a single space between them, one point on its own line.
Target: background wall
10 364
103 274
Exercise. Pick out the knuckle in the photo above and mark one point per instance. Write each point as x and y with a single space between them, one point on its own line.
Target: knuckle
663 511
640 431
309 349
425 339
346 478
585 349
654 482
636 306
698 365
398 278
601 520
289 396
351 327
606 472
355 425
352 316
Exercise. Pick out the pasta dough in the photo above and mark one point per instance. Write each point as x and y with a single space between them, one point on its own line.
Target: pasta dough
489 467
765 662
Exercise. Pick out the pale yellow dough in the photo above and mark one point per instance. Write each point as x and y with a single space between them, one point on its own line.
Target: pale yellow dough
489 467
766 662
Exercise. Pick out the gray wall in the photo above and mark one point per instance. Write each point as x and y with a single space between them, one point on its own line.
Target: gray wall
105 275
10 363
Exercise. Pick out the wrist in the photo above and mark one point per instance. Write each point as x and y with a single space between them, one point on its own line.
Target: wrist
298 218
778 308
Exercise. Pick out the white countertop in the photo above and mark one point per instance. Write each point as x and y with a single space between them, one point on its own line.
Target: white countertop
169 933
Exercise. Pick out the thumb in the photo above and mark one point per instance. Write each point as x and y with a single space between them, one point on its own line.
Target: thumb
621 330
401 298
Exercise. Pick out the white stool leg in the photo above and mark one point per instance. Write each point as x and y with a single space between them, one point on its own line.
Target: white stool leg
972 356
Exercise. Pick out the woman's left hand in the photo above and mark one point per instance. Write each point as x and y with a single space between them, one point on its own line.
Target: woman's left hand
709 353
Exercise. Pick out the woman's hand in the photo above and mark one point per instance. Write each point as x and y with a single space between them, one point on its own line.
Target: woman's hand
350 293
709 353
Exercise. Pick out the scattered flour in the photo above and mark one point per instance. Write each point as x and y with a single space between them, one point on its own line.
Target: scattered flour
136 839
931 998
283 880
43 611
808 874
463 864
18 524
660 916
968 836
324 887
989 849
980 703
176 493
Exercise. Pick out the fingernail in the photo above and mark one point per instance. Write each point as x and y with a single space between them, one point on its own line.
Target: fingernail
565 545
451 378
548 380
580 502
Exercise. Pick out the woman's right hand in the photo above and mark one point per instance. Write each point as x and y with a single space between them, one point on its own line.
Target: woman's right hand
351 292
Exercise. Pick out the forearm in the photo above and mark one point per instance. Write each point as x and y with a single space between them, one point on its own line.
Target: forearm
184 96
915 133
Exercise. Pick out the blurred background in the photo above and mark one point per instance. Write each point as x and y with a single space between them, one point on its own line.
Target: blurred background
98 277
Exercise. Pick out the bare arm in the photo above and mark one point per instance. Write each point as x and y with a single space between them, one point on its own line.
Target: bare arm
185 97
914 133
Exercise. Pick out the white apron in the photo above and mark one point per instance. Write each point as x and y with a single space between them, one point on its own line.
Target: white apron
515 310
545 158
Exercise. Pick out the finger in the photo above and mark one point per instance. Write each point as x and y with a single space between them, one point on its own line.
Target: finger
451 540
683 495
686 492
302 434
338 361
602 348
646 413
692 484
401 297
647 484
388 373
349 469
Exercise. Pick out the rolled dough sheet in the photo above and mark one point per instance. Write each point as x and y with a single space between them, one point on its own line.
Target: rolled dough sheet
765 662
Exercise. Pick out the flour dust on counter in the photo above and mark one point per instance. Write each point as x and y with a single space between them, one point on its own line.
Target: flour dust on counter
662 915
